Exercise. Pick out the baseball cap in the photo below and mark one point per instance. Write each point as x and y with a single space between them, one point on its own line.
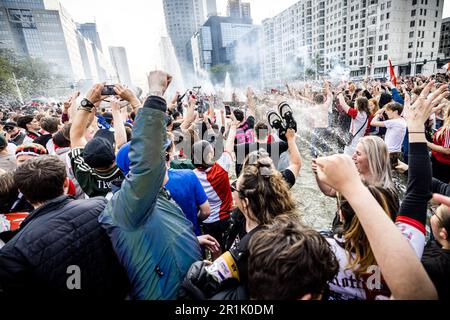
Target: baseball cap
107 135
99 153
10 125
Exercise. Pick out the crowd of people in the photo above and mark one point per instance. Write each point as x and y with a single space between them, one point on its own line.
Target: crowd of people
141 198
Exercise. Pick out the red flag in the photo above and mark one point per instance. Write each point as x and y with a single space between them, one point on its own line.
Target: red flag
391 71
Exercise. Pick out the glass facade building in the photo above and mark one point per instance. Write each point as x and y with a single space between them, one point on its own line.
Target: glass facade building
44 29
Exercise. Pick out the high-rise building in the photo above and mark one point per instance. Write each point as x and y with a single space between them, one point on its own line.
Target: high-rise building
238 9
42 29
87 51
211 8
359 35
246 12
444 43
210 42
119 62
89 31
234 8
104 69
183 18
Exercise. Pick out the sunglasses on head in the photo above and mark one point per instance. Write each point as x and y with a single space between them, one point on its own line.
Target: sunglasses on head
434 213
234 186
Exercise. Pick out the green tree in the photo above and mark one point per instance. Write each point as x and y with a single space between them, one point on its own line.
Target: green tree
34 77
219 72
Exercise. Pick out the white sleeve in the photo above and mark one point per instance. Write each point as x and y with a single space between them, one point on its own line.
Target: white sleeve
225 161
415 237
388 124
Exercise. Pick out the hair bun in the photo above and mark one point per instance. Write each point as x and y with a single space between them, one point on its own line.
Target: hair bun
265 167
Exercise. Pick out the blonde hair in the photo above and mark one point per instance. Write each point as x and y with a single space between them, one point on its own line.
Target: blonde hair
379 161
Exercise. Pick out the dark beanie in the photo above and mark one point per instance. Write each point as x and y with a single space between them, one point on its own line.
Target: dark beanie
99 153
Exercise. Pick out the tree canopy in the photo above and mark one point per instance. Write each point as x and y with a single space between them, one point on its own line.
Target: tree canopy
33 76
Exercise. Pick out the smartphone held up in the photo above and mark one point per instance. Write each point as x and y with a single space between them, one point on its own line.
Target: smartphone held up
108 90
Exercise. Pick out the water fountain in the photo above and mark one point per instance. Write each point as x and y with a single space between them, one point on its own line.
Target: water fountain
228 89
172 66
205 82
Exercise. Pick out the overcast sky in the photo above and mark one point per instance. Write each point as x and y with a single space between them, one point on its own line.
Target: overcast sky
138 25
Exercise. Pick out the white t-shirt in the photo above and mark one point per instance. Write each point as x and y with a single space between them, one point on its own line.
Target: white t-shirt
347 286
395 133
359 123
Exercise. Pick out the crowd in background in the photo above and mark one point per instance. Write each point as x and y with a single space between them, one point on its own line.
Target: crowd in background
190 198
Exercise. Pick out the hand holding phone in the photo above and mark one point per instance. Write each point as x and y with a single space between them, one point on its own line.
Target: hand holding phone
227 111
108 90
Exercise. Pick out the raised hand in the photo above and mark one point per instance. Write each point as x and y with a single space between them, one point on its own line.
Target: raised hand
290 134
339 172
250 93
115 105
125 93
417 114
159 81
95 93
67 105
389 84
441 199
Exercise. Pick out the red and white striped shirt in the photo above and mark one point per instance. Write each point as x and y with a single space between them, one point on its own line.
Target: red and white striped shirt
216 183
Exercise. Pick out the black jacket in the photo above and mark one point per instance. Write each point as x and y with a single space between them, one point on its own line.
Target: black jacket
62 233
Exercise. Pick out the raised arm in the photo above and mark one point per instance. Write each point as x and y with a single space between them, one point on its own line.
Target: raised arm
81 119
326 189
189 117
130 206
342 102
413 210
376 122
173 104
128 95
328 93
120 134
289 90
229 146
395 93
397 255
251 103
295 159
401 268
73 105
68 106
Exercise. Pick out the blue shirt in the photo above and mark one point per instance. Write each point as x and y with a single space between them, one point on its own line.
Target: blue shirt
188 193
